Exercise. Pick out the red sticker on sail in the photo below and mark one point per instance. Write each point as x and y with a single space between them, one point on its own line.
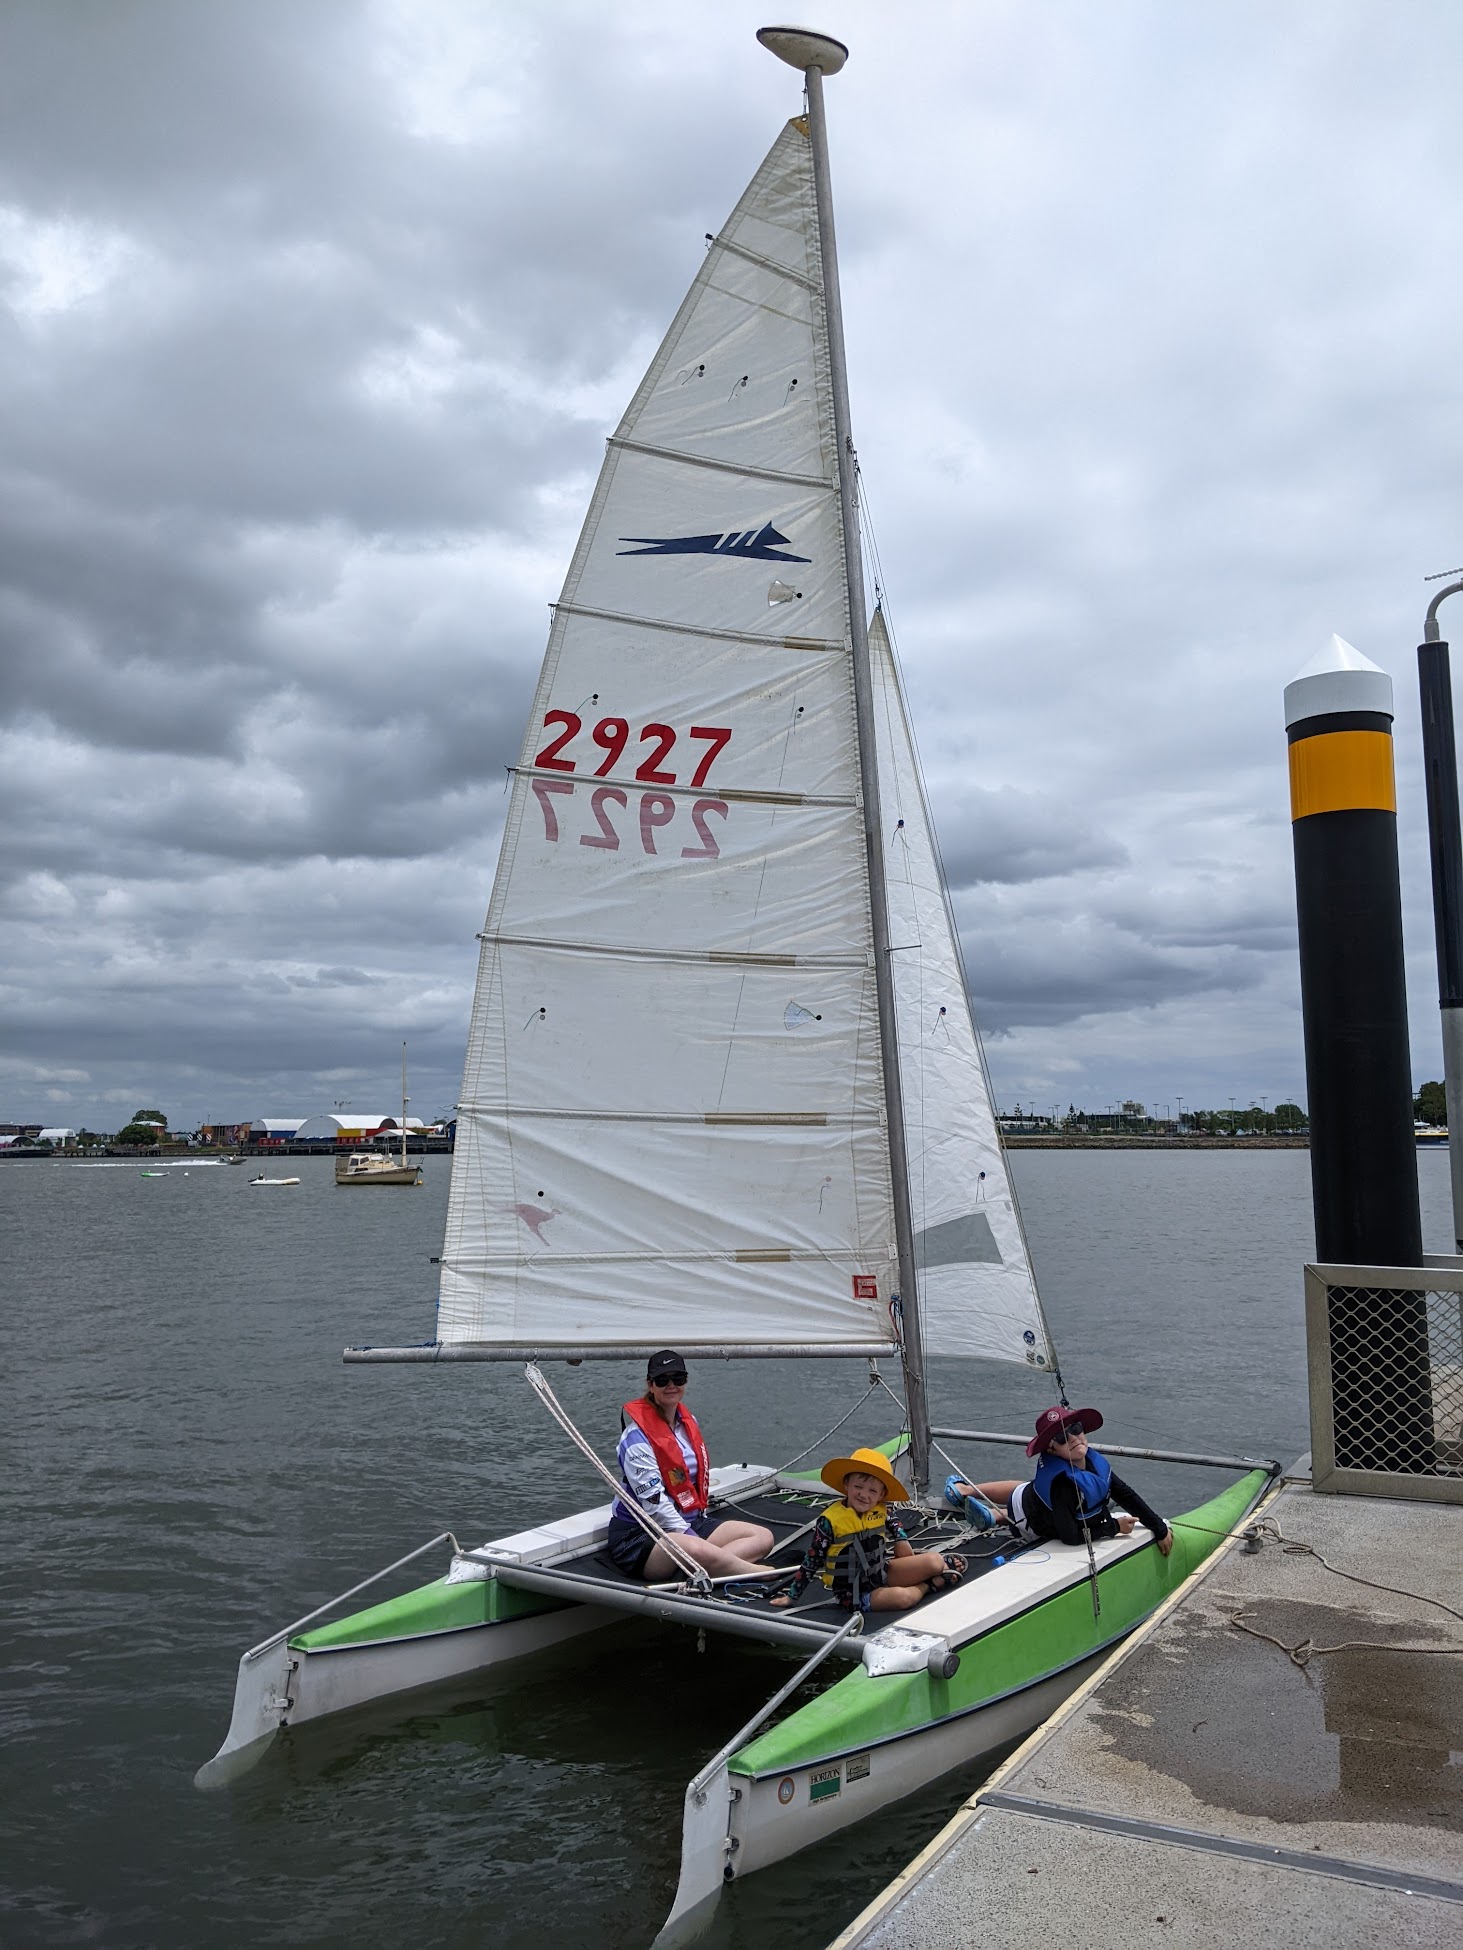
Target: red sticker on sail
865 1286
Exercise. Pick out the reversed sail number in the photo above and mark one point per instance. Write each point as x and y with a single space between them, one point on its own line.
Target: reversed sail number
612 735
607 802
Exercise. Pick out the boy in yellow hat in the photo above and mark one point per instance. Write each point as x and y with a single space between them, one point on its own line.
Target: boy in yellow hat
859 1549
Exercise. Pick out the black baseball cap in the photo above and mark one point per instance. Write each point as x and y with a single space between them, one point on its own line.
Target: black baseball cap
667 1361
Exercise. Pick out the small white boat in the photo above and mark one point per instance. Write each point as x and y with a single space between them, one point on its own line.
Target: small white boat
262 1180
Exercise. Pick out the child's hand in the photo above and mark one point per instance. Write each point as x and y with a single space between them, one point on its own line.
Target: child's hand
1125 1526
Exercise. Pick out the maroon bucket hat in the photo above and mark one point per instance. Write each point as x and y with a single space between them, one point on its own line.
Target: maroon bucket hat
1052 1421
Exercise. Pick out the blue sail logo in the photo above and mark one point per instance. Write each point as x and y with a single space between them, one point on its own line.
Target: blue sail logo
762 544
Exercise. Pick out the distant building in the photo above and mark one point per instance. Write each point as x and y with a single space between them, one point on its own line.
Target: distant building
343 1127
274 1130
56 1134
224 1133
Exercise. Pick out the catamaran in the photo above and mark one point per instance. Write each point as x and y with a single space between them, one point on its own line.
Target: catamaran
723 1088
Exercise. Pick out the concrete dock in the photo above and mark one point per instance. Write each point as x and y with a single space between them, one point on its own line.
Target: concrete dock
1206 1788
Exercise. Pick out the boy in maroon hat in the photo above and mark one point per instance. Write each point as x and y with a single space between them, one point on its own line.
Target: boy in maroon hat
1073 1488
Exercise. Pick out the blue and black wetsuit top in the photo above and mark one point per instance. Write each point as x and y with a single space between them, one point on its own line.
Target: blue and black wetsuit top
1060 1500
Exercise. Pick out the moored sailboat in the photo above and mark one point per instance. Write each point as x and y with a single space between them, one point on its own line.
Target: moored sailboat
379 1167
723 1089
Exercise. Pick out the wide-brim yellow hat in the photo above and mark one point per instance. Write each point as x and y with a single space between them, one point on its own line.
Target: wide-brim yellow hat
868 1462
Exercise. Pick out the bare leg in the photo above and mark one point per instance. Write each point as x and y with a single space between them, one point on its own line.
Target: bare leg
918 1568
711 1557
896 1597
748 1540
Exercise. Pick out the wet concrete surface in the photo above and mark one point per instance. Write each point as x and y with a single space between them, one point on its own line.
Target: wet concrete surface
1355 1734
1208 1781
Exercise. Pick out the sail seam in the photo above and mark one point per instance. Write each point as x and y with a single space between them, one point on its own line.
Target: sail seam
744 469
768 264
738 792
697 955
759 1120
807 643
738 1255
753 304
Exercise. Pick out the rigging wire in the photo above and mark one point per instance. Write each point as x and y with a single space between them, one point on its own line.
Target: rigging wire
873 1388
694 1571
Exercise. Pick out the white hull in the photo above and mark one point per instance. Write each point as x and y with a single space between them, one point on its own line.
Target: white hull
289 1688
765 1829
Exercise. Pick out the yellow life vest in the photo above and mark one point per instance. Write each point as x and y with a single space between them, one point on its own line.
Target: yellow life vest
846 1524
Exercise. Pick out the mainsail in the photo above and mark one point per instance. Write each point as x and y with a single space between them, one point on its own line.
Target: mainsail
672 1126
675 1122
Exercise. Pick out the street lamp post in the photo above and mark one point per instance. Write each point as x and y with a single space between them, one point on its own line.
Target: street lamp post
1440 764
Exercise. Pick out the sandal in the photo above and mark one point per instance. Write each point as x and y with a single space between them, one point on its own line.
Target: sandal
946 1580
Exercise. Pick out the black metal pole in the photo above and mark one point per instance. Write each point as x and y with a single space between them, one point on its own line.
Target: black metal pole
1440 764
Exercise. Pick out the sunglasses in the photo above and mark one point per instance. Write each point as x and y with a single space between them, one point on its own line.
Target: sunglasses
1071 1434
676 1380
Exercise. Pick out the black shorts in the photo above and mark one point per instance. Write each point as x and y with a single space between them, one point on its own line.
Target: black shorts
628 1547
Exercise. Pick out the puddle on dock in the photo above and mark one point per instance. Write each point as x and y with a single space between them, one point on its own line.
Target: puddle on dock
1356 1735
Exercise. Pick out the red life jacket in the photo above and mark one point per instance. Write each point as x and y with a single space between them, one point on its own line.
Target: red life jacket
688 1497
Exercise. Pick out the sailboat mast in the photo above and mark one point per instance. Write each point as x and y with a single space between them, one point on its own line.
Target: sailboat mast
403 1104
818 52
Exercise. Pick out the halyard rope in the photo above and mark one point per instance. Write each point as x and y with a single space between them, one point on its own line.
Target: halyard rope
665 1538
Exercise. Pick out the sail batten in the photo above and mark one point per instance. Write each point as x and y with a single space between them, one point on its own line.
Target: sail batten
743 468
803 643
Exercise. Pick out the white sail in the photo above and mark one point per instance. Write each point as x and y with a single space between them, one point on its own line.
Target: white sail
672 1125
976 1291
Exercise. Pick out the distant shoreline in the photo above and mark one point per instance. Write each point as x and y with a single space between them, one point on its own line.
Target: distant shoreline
220 1154
1091 1141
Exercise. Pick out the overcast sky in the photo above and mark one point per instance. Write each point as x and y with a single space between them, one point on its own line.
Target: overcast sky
313 319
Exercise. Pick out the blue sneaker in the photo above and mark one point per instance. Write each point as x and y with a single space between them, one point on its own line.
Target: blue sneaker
977 1513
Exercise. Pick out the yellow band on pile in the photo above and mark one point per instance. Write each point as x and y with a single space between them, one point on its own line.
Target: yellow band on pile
1342 771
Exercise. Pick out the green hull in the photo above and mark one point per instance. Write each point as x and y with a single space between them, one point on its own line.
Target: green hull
858 1711
439 1607
443 1607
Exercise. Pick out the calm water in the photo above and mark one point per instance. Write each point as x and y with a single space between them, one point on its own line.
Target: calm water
188 1465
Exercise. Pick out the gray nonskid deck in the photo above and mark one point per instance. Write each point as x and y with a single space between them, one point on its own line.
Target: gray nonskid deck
1203 1790
592 1577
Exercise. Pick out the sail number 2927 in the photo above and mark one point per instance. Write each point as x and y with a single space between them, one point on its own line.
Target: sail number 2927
611 737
